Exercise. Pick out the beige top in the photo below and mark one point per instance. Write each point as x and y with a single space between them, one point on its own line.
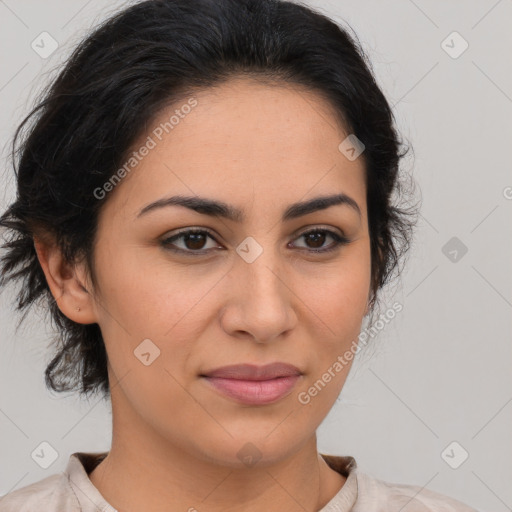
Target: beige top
73 491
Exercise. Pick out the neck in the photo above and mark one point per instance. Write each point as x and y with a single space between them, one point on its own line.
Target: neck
144 472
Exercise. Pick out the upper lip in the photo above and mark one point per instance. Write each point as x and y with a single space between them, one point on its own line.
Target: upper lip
254 372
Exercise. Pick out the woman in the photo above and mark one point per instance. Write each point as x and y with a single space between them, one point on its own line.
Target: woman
205 199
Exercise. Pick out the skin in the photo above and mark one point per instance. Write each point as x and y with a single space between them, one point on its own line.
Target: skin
175 440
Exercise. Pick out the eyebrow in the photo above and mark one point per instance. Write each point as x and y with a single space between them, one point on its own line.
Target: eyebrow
220 209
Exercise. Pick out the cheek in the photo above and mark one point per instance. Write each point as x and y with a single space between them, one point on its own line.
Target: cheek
146 296
155 302
153 313
337 293
336 298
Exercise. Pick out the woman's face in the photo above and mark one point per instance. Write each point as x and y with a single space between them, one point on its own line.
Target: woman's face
248 290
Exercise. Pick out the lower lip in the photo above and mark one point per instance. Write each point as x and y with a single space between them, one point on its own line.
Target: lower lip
255 392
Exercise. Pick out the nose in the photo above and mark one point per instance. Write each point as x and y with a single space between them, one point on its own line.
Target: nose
261 302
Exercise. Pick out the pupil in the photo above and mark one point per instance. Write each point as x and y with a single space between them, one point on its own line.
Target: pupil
317 237
195 238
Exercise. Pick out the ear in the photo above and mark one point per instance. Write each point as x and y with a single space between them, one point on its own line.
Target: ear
67 283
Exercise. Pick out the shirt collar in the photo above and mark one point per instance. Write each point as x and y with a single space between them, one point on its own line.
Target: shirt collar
79 466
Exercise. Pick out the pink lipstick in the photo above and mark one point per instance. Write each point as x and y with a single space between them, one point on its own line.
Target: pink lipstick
254 385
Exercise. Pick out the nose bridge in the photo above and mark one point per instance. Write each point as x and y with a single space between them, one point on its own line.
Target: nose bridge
260 268
262 297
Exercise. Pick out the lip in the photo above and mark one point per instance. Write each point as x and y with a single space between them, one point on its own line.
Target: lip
252 384
254 372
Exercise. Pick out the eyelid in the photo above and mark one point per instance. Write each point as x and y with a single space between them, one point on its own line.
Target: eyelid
184 231
318 227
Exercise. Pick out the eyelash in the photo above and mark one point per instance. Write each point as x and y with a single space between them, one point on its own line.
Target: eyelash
339 241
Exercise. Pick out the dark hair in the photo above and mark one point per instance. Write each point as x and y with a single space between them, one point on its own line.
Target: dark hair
120 77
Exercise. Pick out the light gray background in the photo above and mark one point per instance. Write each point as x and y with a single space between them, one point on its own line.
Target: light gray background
440 371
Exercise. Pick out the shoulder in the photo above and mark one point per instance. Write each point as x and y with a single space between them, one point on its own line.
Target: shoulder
51 494
377 495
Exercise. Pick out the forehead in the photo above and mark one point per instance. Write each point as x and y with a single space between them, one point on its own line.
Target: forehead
242 141
254 118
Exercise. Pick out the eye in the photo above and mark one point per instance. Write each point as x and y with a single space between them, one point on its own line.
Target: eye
193 240
317 238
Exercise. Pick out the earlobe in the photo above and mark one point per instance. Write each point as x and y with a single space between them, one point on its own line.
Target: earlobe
65 284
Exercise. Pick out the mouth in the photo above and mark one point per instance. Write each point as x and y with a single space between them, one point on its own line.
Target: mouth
254 385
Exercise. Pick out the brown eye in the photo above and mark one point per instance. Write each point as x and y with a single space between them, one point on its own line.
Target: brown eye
316 238
193 240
